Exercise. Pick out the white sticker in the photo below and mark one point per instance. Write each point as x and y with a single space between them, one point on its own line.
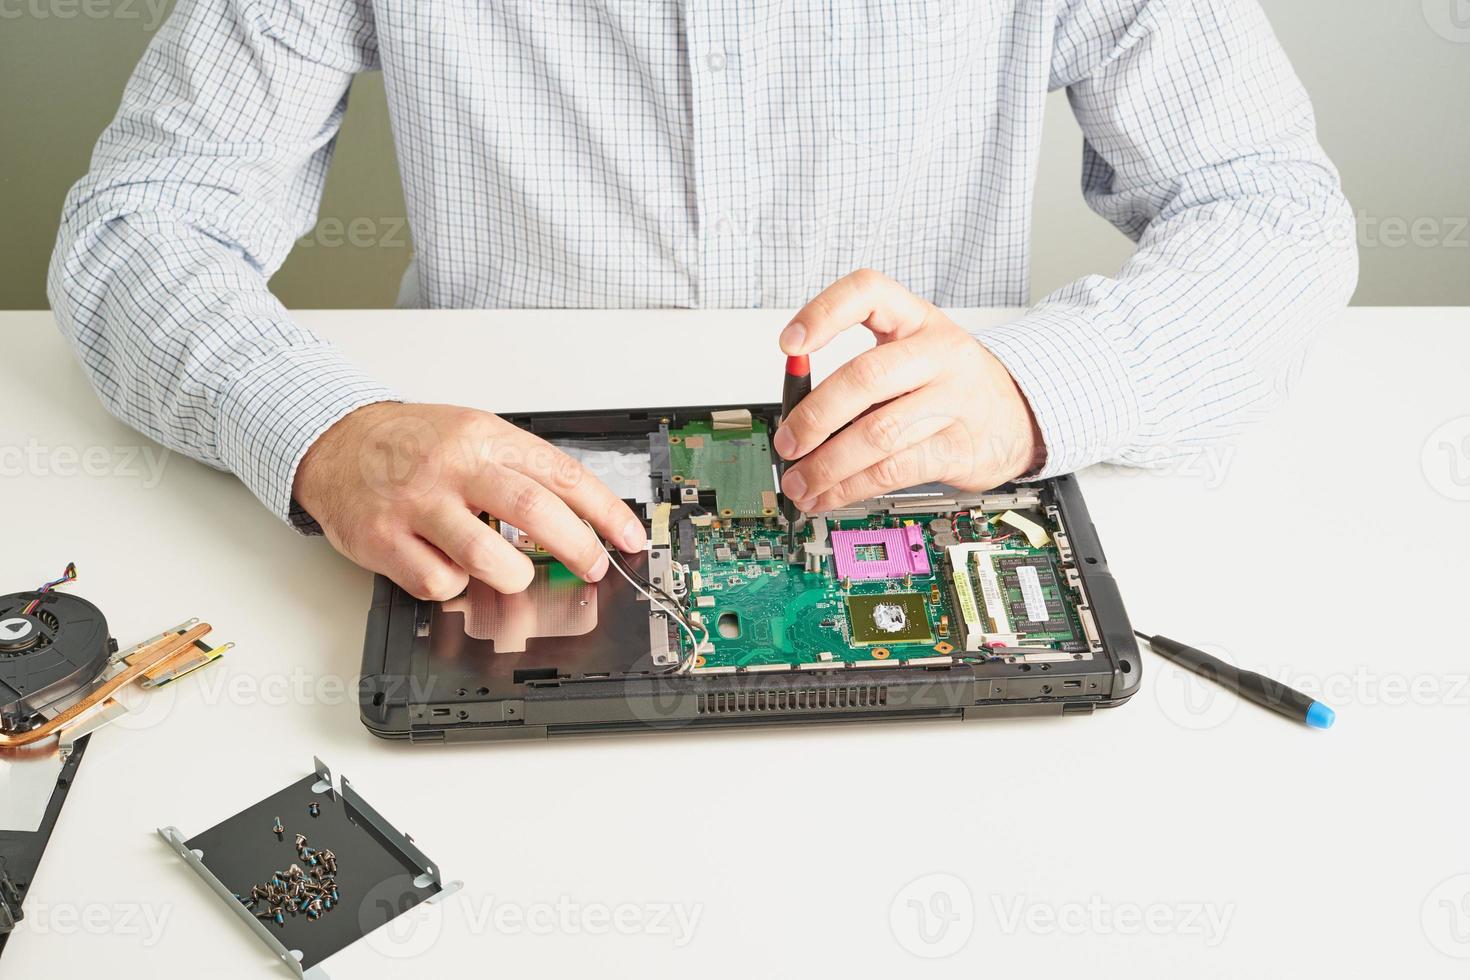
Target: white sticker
1031 592
990 589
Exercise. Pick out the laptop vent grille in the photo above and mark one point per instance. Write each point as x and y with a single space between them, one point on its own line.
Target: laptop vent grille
736 702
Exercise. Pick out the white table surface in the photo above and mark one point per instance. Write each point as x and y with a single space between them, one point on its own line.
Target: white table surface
1183 833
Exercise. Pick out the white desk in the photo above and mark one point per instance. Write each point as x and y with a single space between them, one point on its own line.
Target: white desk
1181 834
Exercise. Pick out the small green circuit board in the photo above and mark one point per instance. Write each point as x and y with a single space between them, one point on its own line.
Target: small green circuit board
734 463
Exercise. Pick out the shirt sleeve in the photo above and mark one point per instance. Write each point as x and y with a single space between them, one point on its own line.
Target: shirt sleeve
197 191
1200 145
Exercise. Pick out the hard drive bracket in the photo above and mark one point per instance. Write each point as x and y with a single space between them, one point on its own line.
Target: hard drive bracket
372 854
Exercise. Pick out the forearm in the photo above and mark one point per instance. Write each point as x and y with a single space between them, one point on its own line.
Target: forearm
183 341
1200 145
1198 334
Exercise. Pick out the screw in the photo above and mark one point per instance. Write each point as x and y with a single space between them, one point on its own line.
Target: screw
277 829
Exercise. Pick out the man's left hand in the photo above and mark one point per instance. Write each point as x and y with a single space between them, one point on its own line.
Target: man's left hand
929 403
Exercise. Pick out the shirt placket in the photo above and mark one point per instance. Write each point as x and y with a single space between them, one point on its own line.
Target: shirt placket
727 233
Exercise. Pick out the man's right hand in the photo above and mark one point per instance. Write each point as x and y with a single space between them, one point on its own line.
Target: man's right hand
399 490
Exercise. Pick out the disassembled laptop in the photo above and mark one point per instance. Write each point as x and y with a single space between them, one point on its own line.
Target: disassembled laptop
730 604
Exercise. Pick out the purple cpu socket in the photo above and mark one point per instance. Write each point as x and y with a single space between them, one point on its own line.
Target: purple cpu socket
886 552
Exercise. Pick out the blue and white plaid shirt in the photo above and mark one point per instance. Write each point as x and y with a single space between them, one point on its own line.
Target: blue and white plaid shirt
729 153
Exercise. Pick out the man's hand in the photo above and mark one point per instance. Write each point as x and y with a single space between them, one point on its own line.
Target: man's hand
399 490
928 403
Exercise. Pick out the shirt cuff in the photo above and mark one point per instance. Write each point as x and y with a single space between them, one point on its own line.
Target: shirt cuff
270 416
1076 382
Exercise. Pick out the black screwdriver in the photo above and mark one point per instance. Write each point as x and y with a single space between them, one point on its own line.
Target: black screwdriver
1248 684
795 386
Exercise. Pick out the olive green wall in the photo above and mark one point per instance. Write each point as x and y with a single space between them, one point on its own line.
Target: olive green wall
1391 82
61 76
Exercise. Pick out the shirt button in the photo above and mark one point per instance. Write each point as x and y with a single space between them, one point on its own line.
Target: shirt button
715 61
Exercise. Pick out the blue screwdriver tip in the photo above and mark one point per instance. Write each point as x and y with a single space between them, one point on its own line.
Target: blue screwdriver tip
1320 716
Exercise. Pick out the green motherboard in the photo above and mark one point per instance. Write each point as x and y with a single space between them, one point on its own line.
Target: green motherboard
864 586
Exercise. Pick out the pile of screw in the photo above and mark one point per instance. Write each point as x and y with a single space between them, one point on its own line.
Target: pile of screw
308 891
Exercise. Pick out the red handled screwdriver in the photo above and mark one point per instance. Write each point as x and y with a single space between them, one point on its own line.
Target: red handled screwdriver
795 386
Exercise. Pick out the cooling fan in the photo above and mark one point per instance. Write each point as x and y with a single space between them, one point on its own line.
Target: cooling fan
47 656
60 670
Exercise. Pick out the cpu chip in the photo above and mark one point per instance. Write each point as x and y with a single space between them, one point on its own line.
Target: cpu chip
888 618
